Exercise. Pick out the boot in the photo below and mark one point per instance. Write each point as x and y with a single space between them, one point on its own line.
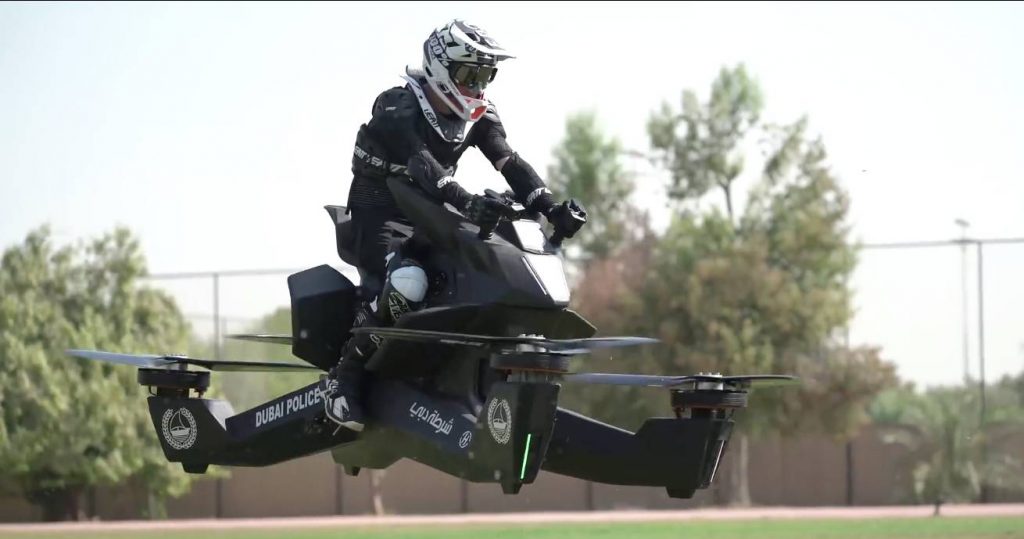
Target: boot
343 399
344 396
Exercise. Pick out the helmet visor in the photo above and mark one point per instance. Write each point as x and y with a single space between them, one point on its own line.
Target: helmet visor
473 76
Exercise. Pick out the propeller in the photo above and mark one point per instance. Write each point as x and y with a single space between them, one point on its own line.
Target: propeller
650 380
266 339
146 361
641 380
166 362
549 346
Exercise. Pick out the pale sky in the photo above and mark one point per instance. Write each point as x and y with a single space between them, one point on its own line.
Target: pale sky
218 131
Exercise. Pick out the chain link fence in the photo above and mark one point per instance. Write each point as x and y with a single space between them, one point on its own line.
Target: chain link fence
943 311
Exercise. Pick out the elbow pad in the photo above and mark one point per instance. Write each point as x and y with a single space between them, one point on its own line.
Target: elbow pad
526 183
436 180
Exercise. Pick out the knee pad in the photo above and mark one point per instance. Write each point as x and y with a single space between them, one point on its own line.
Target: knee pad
404 290
410 282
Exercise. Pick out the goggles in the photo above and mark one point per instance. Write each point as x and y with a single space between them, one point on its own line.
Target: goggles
473 76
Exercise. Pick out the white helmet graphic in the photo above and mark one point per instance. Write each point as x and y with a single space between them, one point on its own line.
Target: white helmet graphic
460 59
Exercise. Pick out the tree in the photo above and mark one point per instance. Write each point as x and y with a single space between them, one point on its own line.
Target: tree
700 145
607 294
953 453
587 168
69 424
1013 389
616 247
761 288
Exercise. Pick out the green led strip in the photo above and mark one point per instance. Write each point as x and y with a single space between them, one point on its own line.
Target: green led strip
526 455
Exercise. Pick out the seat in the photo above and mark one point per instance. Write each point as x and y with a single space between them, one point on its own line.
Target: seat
344 234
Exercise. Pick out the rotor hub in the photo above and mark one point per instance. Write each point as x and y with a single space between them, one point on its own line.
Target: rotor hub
174 382
709 399
711 396
531 361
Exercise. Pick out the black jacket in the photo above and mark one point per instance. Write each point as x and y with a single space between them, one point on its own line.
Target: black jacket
405 137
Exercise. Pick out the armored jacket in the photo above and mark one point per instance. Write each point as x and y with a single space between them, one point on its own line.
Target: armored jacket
406 137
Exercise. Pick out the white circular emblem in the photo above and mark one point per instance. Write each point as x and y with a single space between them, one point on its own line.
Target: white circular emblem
465 439
499 420
179 428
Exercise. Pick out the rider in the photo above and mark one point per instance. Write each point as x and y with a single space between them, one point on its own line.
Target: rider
419 131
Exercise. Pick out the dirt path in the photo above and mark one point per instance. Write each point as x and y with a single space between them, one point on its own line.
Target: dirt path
533 518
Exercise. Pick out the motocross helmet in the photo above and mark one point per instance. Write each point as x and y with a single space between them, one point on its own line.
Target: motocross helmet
460 60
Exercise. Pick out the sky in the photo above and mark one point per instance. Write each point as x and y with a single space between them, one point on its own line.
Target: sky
218 131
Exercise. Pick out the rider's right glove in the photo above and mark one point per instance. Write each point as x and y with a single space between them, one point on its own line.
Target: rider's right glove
567 218
483 211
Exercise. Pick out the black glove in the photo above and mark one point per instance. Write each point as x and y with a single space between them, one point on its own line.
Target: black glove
484 211
567 218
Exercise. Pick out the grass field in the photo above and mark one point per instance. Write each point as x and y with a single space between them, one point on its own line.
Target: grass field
889 528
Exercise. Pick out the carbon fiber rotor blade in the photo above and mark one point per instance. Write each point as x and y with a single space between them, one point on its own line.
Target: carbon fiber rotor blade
164 362
137 360
575 346
651 380
266 339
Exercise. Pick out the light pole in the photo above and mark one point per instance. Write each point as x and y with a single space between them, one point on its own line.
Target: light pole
963 224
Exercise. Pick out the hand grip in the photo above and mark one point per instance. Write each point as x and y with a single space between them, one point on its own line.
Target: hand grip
576 219
486 230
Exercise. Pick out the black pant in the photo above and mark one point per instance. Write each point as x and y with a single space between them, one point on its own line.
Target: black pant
377 232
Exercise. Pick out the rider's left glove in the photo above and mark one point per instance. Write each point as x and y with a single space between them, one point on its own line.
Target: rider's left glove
483 211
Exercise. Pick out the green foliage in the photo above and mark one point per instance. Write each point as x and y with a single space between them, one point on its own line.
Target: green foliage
587 168
701 144
1009 392
762 288
758 289
609 295
953 452
731 300
70 423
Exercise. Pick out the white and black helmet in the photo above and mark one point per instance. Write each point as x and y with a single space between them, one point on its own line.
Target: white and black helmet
457 55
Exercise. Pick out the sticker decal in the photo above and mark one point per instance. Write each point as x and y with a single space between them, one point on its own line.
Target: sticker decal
499 420
288 406
179 428
432 418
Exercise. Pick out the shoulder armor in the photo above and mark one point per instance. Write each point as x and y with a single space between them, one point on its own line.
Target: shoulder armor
492 113
397 102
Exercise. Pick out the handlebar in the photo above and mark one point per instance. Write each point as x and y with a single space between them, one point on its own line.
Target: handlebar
487 231
579 218
510 214
556 239
507 213
576 211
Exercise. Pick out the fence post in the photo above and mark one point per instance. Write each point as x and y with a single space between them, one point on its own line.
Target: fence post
981 361
849 472
464 495
981 327
339 500
216 355
216 316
